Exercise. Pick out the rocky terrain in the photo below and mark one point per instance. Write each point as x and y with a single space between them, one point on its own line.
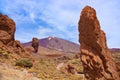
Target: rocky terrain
54 58
19 62
8 72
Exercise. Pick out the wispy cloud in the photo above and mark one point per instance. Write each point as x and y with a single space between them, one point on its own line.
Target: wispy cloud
60 18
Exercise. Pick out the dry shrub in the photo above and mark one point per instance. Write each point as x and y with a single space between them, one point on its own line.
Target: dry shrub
24 62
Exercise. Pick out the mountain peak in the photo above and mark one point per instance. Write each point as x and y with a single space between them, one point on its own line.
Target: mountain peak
58 44
51 37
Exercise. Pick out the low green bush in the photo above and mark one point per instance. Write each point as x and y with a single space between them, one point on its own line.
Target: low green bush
24 62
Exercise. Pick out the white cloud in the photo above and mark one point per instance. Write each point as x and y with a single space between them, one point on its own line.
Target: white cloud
32 16
62 15
44 32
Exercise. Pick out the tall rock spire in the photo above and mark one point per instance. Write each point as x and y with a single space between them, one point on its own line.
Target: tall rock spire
96 58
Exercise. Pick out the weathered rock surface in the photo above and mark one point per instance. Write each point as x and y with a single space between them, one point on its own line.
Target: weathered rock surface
35 44
96 58
7 30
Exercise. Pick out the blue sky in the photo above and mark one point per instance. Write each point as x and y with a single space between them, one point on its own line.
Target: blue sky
43 18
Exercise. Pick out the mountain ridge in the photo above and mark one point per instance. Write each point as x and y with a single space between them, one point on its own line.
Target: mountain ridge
59 44
55 43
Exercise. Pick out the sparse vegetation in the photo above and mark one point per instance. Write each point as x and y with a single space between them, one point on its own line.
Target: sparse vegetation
4 54
116 55
24 62
46 70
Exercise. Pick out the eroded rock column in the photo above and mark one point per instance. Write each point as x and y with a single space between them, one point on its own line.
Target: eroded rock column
35 44
96 58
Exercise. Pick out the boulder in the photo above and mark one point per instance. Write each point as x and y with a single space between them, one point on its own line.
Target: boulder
66 68
97 60
71 69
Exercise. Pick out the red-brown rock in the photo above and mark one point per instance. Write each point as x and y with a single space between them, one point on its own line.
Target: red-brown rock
96 58
7 30
71 69
35 44
7 41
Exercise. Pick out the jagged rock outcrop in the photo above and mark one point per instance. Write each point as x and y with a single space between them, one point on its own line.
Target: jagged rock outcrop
8 44
96 58
35 44
18 48
7 30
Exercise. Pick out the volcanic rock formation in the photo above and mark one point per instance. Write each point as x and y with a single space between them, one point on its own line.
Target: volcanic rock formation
7 30
96 58
35 44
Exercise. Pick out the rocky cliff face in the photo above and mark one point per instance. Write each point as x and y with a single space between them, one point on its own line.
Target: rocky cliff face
96 58
7 30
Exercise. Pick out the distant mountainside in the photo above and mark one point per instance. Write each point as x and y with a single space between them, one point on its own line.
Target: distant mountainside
58 44
54 43
115 50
